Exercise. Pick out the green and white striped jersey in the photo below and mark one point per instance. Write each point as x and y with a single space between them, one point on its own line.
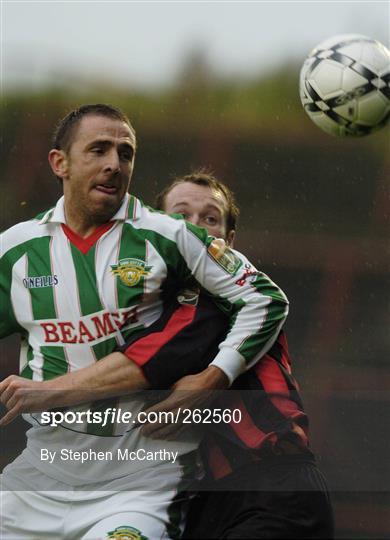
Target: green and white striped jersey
73 306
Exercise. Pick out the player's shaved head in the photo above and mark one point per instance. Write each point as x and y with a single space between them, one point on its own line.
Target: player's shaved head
66 129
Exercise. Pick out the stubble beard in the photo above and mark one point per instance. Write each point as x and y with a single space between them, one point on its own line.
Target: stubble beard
97 214
85 211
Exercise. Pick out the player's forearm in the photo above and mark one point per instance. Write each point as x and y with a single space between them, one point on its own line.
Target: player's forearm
212 378
114 375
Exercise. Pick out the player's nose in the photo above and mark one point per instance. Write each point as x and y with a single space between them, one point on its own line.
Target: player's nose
194 219
112 163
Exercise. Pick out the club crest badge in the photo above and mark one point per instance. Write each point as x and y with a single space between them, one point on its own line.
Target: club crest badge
224 256
125 532
130 271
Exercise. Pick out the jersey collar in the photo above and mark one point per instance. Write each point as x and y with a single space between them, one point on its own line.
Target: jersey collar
130 209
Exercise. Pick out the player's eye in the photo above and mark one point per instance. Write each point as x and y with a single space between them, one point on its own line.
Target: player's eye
126 155
97 150
211 220
182 212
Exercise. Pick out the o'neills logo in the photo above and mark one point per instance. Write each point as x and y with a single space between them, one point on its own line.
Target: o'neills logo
130 271
89 329
39 282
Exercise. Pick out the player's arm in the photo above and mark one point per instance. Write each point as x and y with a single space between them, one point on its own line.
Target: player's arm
182 342
114 375
177 356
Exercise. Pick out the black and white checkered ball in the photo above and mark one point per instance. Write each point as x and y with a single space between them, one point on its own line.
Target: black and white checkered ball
345 85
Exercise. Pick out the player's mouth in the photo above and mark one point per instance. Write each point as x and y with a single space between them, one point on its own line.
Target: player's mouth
108 189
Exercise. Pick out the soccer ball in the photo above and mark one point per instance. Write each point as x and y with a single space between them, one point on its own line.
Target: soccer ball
345 85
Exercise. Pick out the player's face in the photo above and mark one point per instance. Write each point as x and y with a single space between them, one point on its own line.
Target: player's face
98 167
201 206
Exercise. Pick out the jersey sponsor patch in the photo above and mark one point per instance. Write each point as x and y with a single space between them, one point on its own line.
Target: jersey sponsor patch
224 256
125 532
91 328
250 274
130 271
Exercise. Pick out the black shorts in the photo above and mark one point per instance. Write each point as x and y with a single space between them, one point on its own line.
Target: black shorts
281 497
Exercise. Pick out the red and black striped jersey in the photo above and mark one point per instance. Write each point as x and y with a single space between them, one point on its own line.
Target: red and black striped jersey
272 418
273 421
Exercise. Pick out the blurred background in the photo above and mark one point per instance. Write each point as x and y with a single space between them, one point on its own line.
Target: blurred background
216 84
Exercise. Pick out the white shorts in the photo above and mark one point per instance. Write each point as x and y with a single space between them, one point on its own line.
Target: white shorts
99 511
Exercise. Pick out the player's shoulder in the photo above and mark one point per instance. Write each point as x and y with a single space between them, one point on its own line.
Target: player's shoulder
145 217
138 210
168 224
22 232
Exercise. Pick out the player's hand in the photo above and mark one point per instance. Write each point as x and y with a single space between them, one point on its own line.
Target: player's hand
20 395
190 392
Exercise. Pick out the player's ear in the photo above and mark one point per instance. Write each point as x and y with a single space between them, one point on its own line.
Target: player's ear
58 162
230 238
